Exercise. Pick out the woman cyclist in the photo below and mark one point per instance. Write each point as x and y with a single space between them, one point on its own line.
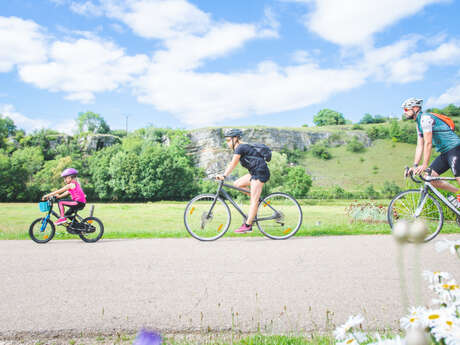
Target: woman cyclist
259 173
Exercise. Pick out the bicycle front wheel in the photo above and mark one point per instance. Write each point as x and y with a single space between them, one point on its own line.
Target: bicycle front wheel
206 217
279 216
42 230
405 206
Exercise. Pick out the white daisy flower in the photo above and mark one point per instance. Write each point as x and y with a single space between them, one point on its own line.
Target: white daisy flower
342 332
414 319
435 277
453 338
433 316
453 246
348 341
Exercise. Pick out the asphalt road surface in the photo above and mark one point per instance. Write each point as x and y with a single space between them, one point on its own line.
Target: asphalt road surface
183 285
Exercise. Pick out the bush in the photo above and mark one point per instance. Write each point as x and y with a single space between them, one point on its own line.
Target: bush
354 145
298 182
357 127
320 150
370 192
390 189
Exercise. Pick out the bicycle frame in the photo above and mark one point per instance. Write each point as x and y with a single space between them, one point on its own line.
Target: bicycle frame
425 190
51 212
226 196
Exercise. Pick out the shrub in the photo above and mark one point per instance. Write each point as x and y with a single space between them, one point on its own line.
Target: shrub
320 150
390 189
298 182
354 145
370 192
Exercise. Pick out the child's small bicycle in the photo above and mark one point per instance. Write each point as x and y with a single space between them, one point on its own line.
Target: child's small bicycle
42 230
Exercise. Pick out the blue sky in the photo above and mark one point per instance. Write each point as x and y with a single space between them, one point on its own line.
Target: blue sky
195 63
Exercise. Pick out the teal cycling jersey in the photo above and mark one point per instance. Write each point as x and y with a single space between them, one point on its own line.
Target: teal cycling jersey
444 138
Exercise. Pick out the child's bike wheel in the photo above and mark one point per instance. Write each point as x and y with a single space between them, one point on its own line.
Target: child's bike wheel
42 230
93 229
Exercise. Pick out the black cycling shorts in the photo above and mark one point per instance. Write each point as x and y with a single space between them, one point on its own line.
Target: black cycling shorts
261 174
449 159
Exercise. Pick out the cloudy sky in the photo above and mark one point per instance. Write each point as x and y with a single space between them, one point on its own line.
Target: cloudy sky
195 63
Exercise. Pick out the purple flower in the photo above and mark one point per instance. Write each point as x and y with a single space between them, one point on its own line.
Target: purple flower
147 338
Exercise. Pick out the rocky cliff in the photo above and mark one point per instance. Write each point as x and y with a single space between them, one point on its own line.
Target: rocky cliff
208 145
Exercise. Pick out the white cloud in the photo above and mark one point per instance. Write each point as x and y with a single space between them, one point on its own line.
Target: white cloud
402 62
21 42
29 124
86 8
22 121
161 19
83 67
353 22
206 98
451 96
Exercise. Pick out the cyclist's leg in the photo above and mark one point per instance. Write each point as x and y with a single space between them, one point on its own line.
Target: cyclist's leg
63 203
243 182
256 190
439 166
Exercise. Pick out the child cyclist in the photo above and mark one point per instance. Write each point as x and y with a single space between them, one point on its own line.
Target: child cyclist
258 173
72 188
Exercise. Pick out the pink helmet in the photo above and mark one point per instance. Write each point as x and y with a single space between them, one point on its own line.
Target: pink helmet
69 171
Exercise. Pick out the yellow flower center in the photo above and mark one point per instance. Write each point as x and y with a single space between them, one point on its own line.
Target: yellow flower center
349 341
412 319
433 317
449 323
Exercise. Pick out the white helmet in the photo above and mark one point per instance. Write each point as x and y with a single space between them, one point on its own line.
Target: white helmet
412 102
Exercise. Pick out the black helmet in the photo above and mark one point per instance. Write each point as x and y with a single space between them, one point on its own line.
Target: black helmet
233 133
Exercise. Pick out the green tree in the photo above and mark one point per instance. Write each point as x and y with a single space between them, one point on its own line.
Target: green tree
7 129
327 117
298 182
368 118
92 122
354 145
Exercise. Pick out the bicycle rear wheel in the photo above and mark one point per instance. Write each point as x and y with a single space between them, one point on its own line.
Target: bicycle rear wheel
285 213
42 230
404 207
92 229
203 223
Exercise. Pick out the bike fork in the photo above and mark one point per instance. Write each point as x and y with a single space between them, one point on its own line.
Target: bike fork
44 223
421 204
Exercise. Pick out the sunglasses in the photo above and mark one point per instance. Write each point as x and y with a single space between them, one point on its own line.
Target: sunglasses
407 109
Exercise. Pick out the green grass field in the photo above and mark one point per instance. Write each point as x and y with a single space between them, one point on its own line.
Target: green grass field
382 161
165 219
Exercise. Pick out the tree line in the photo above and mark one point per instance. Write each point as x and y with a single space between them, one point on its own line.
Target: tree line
140 167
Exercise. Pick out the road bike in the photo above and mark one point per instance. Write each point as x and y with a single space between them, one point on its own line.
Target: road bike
42 230
423 204
207 217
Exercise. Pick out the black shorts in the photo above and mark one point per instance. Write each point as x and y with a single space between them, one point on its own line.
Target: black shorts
261 174
449 159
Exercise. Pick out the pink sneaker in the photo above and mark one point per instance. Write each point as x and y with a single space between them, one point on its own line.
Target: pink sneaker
243 229
60 221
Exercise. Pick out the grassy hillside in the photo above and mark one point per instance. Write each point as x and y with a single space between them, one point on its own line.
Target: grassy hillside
383 161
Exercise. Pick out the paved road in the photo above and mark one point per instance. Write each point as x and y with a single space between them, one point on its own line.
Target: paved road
186 285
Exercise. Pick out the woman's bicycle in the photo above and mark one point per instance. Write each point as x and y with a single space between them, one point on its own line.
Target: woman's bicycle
207 217
42 230
422 204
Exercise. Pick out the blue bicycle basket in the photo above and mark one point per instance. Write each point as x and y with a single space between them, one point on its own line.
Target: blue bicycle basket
44 206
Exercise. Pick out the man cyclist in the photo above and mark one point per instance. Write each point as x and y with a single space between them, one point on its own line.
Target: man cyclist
431 130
